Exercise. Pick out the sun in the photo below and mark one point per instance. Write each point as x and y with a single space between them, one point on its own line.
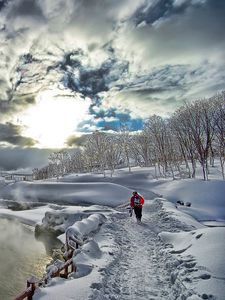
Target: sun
53 119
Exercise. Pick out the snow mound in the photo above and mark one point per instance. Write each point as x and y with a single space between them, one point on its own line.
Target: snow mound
59 221
81 229
206 197
86 258
103 193
201 256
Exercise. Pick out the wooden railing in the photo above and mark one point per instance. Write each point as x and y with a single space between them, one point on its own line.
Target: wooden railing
68 267
29 292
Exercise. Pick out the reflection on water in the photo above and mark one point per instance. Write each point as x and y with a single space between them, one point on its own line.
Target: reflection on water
21 256
49 240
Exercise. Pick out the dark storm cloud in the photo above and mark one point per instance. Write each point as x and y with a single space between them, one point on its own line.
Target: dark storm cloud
86 79
152 11
77 141
179 45
131 58
16 104
25 8
192 35
147 91
3 4
5 107
16 158
164 89
10 133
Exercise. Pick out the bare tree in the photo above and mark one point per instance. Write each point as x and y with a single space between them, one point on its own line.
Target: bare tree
181 128
196 131
219 104
199 116
95 151
113 152
77 162
140 149
125 140
35 172
59 163
157 131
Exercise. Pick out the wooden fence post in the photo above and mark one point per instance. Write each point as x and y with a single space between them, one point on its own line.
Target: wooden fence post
31 283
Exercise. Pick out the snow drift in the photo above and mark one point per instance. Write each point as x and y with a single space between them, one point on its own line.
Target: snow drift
67 193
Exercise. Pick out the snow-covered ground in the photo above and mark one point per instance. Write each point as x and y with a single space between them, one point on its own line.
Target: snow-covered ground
176 253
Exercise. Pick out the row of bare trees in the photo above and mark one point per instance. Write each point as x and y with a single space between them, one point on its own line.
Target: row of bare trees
173 146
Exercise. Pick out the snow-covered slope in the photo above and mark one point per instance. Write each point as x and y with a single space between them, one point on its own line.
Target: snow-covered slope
207 198
171 255
69 193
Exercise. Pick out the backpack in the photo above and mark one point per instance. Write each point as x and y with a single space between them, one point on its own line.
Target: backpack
137 200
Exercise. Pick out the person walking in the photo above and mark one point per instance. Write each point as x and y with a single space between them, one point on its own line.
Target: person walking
136 202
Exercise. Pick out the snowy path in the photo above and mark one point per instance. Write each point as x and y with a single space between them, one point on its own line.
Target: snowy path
141 269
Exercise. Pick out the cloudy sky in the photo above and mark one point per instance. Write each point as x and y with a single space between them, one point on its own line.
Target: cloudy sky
69 67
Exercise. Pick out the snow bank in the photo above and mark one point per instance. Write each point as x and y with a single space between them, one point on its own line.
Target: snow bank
206 197
175 213
88 259
138 179
54 217
102 193
59 221
200 252
201 256
29 217
81 229
86 256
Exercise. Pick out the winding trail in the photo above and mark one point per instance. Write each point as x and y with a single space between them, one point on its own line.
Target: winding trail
142 268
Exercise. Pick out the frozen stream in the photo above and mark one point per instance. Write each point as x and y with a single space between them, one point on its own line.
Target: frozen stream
20 256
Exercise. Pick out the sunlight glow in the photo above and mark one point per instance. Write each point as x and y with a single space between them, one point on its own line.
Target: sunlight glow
53 119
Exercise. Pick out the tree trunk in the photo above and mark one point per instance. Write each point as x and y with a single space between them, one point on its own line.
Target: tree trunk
204 170
222 166
156 176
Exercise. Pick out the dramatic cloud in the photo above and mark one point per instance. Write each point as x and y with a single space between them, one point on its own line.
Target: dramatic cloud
21 158
125 59
10 133
191 38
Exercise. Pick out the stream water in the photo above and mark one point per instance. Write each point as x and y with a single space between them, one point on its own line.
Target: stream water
21 256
